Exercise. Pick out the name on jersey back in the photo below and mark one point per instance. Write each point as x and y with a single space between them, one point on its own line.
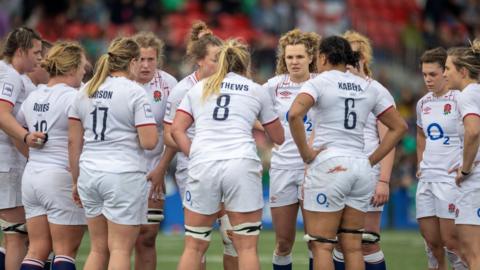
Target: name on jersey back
350 86
38 107
234 86
102 94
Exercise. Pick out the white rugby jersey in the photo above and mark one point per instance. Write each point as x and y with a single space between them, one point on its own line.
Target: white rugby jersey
28 84
343 102
158 90
371 136
284 91
439 118
12 91
224 122
174 99
46 110
110 118
469 104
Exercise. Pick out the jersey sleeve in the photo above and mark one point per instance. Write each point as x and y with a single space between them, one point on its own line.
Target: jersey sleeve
468 104
21 116
11 87
267 113
73 112
419 114
382 103
186 105
310 88
171 107
142 109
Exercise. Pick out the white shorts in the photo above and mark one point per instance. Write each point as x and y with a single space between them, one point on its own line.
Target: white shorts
181 178
120 197
285 186
238 181
375 176
338 182
49 192
11 188
436 199
468 206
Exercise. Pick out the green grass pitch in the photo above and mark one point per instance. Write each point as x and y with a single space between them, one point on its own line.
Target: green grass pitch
403 250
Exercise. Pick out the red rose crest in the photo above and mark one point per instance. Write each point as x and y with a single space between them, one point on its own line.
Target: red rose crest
447 109
157 96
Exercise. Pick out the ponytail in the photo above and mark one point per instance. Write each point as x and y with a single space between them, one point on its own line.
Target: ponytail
234 57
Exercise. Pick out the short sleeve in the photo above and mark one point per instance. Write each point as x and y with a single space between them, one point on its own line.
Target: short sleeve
468 104
267 113
142 109
310 88
73 112
171 107
21 116
271 89
11 86
382 103
68 99
419 114
186 105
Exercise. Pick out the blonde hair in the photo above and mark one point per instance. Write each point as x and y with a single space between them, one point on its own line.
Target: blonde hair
62 58
234 57
200 38
468 58
148 39
296 37
364 48
120 53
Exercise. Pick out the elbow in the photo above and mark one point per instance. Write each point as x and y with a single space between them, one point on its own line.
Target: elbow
293 116
472 134
150 143
403 128
279 138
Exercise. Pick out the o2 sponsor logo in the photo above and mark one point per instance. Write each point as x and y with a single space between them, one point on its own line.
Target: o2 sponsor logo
188 197
478 212
322 199
435 132
306 121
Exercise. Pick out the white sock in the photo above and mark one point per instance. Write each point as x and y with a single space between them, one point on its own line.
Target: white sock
374 257
282 260
455 261
337 255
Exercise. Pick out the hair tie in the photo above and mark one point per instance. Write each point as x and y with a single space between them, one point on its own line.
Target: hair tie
110 54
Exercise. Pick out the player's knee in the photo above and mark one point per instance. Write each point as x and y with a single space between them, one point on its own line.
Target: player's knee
283 247
371 248
146 241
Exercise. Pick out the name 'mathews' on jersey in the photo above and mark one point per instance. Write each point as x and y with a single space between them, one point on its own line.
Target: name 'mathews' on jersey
224 122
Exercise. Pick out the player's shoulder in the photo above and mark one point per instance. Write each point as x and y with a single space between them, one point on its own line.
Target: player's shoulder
276 81
170 79
184 85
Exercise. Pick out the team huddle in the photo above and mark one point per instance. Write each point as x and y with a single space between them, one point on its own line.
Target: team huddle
98 152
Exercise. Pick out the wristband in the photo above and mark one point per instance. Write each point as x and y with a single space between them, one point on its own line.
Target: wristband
25 137
384 181
465 173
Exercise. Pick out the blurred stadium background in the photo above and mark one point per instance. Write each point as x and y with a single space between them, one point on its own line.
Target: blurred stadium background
400 31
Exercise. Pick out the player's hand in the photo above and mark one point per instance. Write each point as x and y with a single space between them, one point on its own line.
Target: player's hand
382 192
311 154
36 139
76 197
157 178
461 177
418 174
